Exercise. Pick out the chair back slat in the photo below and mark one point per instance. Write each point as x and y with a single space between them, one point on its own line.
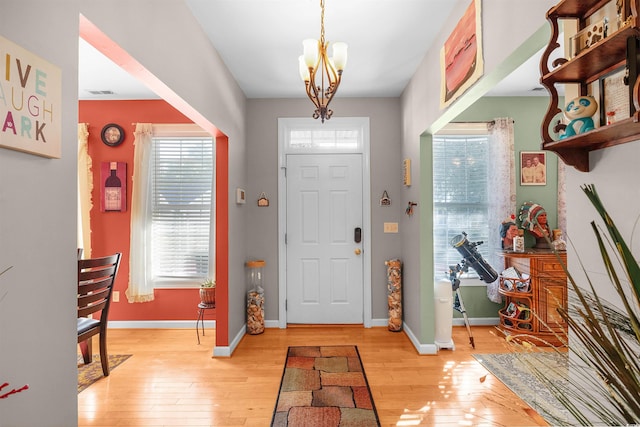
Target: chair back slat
91 299
91 309
96 273
94 285
98 262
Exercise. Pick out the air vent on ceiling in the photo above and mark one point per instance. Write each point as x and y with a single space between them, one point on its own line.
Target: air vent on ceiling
537 89
101 92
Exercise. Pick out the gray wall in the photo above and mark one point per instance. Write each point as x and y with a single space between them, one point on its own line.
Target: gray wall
38 196
38 236
262 160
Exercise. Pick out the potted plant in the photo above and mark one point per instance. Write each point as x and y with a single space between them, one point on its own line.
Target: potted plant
208 292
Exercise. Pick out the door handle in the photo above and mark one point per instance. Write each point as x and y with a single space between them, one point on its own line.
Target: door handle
357 251
357 235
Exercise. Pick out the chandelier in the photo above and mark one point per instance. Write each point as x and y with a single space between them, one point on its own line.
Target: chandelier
315 61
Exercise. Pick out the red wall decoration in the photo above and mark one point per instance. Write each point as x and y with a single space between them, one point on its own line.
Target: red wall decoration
113 186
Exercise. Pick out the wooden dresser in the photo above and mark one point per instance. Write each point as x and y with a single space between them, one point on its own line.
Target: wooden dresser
542 293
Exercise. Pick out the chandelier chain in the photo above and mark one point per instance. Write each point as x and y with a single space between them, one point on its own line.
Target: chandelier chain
322 22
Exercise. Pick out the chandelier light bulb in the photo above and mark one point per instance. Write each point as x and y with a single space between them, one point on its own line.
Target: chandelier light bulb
304 70
310 52
340 55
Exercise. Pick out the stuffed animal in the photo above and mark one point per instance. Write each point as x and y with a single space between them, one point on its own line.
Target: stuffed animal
579 111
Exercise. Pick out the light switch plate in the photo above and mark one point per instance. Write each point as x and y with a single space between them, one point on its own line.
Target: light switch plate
390 227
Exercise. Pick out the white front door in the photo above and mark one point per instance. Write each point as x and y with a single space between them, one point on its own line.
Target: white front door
324 257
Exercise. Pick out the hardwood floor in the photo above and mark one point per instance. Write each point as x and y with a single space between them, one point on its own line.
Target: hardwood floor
172 381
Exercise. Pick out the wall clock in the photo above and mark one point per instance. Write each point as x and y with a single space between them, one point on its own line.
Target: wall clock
112 135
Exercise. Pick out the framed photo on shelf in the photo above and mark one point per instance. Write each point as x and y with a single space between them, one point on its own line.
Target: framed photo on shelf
614 97
533 168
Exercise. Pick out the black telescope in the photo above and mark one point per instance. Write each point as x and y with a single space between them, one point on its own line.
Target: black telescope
473 258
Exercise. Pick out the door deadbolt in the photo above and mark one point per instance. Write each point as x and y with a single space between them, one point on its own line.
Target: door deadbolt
357 251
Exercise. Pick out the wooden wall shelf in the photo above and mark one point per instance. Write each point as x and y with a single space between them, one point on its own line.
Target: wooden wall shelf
591 64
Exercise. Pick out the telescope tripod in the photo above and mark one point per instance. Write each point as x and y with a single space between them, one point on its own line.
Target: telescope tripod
458 303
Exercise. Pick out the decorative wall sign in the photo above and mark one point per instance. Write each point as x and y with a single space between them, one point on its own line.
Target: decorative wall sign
587 37
461 56
385 200
31 95
406 172
113 187
263 201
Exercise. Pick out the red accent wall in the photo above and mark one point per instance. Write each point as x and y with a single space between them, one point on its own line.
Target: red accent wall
111 230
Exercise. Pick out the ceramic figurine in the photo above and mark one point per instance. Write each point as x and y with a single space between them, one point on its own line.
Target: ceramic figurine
534 219
580 111
508 231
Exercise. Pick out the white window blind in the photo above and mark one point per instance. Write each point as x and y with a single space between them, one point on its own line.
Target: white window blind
346 135
460 196
181 207
325 139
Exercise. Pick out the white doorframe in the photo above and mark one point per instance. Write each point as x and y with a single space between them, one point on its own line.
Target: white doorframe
284 124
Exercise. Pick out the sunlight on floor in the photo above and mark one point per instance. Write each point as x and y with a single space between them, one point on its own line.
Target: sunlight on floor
460 383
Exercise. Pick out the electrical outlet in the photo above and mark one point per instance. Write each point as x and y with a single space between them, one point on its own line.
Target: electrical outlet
390 227
115 296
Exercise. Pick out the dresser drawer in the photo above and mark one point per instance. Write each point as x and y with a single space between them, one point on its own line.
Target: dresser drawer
551 265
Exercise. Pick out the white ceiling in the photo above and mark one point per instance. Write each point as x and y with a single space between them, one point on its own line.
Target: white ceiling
260 41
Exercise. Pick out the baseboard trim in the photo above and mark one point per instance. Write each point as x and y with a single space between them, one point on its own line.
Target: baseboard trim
477 321
427 349
379 322
227 351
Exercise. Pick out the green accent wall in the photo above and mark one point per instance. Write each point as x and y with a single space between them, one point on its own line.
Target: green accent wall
527 113
476 302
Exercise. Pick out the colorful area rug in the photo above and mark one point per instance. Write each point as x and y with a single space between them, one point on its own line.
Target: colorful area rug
89 374
324 386
515 371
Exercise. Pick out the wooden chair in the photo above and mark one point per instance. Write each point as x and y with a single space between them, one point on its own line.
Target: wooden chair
96 277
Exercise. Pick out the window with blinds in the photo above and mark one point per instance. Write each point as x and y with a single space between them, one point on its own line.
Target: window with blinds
181 208
460 196
332 140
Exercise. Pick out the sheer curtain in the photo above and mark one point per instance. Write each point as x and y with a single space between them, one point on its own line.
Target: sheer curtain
140 286
562 197
502 189
85 186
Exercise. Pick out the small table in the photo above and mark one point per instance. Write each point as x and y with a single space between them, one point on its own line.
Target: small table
201 308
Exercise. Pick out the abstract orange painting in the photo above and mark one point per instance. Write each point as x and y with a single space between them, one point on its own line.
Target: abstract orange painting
461 55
